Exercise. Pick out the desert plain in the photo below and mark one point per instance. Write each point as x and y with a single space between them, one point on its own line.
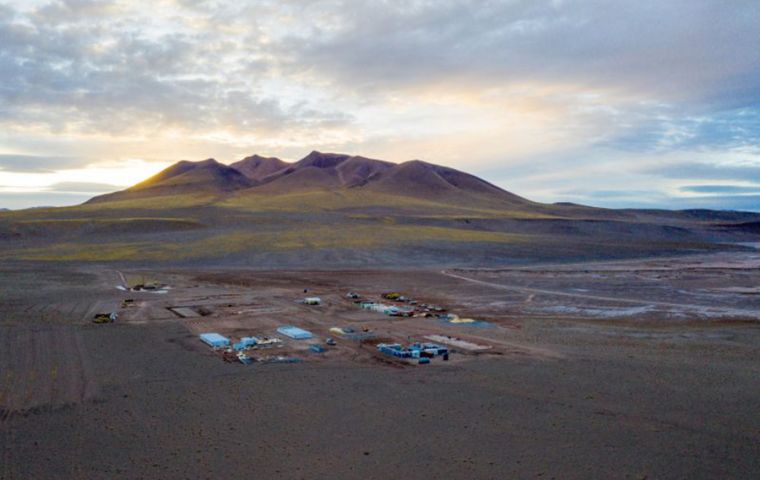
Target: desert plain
638 368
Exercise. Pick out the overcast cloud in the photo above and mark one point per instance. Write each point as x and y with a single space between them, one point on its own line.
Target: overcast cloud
605 102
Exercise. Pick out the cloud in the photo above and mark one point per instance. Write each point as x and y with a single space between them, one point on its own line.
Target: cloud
57 194
39 163
749 203
86 67
596 89
82 187
635 46
15 201
706 171
662 129
108 66
724 189
660 199
640 76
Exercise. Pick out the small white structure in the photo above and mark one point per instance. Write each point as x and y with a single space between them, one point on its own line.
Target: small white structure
312 301
268 342
458 342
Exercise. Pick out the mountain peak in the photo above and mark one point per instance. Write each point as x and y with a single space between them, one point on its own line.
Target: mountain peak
205 176
257 167
322 160
209 162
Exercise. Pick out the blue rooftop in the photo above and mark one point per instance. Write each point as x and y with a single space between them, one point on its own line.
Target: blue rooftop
214 339
294 332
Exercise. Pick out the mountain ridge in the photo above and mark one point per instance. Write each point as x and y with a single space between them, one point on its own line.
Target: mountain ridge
317 170
257 167
332 209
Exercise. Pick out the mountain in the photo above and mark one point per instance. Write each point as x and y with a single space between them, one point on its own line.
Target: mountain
331 209
414 178
433 181
207 176
256 167
318 172
324 171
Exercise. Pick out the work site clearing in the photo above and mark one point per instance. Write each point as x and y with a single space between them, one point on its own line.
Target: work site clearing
594 367
249 315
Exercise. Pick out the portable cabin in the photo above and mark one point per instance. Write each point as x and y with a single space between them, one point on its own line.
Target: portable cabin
312 301
434 349
215 340
428 349
294 332
395 349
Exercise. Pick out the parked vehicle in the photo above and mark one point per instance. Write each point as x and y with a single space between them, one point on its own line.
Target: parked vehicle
244 359
105 317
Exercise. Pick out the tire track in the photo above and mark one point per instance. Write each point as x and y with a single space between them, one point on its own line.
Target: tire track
43 368
7 429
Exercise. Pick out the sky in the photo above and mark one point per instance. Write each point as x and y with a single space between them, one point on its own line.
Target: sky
609 103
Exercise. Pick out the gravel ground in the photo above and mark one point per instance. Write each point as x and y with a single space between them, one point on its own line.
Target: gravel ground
569 394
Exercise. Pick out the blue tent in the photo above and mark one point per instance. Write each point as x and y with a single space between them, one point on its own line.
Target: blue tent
215 340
